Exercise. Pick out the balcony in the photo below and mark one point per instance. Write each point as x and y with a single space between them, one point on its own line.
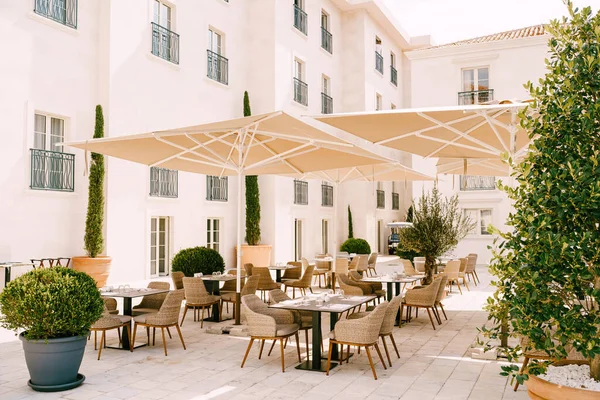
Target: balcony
165 44
217 67
395 201
379 62
62 11
393 75
380 199
326 195
300 192
472 182
326 104
52 170
326 40
216 188
300 92
475 97
163 182
300 19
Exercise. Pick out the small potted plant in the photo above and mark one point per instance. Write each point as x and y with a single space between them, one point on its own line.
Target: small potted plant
53 309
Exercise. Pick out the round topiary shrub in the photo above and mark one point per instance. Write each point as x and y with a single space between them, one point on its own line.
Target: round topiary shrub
198 259
358 246
51 303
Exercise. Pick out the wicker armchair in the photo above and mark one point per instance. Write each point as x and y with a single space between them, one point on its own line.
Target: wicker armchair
322 270
152 303
111 305
452 271
197 297
302 284
371 264
353 265
292 274
248 288
440 297
363 264
268 324
166 317
265 281
388 324
376 287
249 267
419 264
176 277
353 288
464 262
470 271
423 297
409 270
362 332
108 322
231 286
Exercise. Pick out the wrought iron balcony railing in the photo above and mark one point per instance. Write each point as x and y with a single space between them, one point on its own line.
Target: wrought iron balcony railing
473 182
300 192
380 199
61 11
393 75
165 43
52 170
300 19
326 104
475 97
163 182
216 188
326 40
395 201
217 67
379 62
326 195
300 92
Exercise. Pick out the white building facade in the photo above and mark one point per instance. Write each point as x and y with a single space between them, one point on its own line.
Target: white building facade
154 65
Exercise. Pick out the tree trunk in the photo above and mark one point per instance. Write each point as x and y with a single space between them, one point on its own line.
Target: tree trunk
429 266
595 367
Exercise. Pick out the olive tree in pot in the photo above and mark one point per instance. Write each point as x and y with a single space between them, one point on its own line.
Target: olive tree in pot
95 264
547 266
53 309
438 226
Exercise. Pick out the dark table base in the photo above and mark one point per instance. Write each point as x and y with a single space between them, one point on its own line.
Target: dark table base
310 366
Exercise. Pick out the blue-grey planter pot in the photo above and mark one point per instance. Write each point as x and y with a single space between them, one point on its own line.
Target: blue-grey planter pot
54 363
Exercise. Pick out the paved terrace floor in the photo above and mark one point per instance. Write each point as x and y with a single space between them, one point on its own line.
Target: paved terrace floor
433 365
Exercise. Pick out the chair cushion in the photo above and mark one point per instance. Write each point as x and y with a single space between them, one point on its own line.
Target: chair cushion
124 318
141 318
229 296
286 329
379 293
140 311
358 315
113 312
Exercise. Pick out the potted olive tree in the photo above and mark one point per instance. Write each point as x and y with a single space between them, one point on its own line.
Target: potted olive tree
547 266
53 309
438 226
95 264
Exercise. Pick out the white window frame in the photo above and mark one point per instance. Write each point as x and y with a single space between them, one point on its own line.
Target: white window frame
378 102
219 46
475 78
211 243
299 69
155 249
48 134
378 46
326 84
325 18
160 6
392 59
479 230
325 236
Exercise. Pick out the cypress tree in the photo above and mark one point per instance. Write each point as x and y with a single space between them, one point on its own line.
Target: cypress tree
350 227
93 240
252 196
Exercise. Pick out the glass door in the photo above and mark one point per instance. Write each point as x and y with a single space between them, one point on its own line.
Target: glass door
297 239
159 246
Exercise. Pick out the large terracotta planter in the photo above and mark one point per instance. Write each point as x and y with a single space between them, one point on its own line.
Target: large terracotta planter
539 389
259 255
97 267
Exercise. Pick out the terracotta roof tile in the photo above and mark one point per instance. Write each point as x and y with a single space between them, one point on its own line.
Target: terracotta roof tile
530 31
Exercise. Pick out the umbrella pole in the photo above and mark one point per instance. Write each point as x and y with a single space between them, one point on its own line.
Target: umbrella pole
238 297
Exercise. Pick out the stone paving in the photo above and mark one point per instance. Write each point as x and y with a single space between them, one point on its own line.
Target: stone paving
432 365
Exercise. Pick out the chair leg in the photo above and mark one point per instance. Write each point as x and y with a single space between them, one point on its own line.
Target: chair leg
380 355
164 340
400 320
180 336
272 346
132 338
262 344
525 362
153 336
435 314
247 351
387 353
169 332
184 312
102 340
466 285
306 333
444 312
477 276
298 347
282 355
119 333
309 288
95 340
202 318
148 334
347 354
395 347
329 358
370 362
430 318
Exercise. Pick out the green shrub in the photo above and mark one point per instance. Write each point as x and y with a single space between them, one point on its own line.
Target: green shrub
198 259
406 253
358 246
51 303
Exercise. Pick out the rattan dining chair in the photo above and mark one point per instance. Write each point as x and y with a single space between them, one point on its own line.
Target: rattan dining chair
353 265
464 262
111 305
409 270
249 267
452 271
363 264
197 297
322 270
371 264
265 281
152 303
439 297
176 277
248 288
423 297
362 332
268 324
166 317
230 286
301 284
376 287
108 322
472 267
292 274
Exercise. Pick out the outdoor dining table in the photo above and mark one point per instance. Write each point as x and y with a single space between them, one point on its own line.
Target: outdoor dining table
8 266
127 295
336 305
212 286
278 269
